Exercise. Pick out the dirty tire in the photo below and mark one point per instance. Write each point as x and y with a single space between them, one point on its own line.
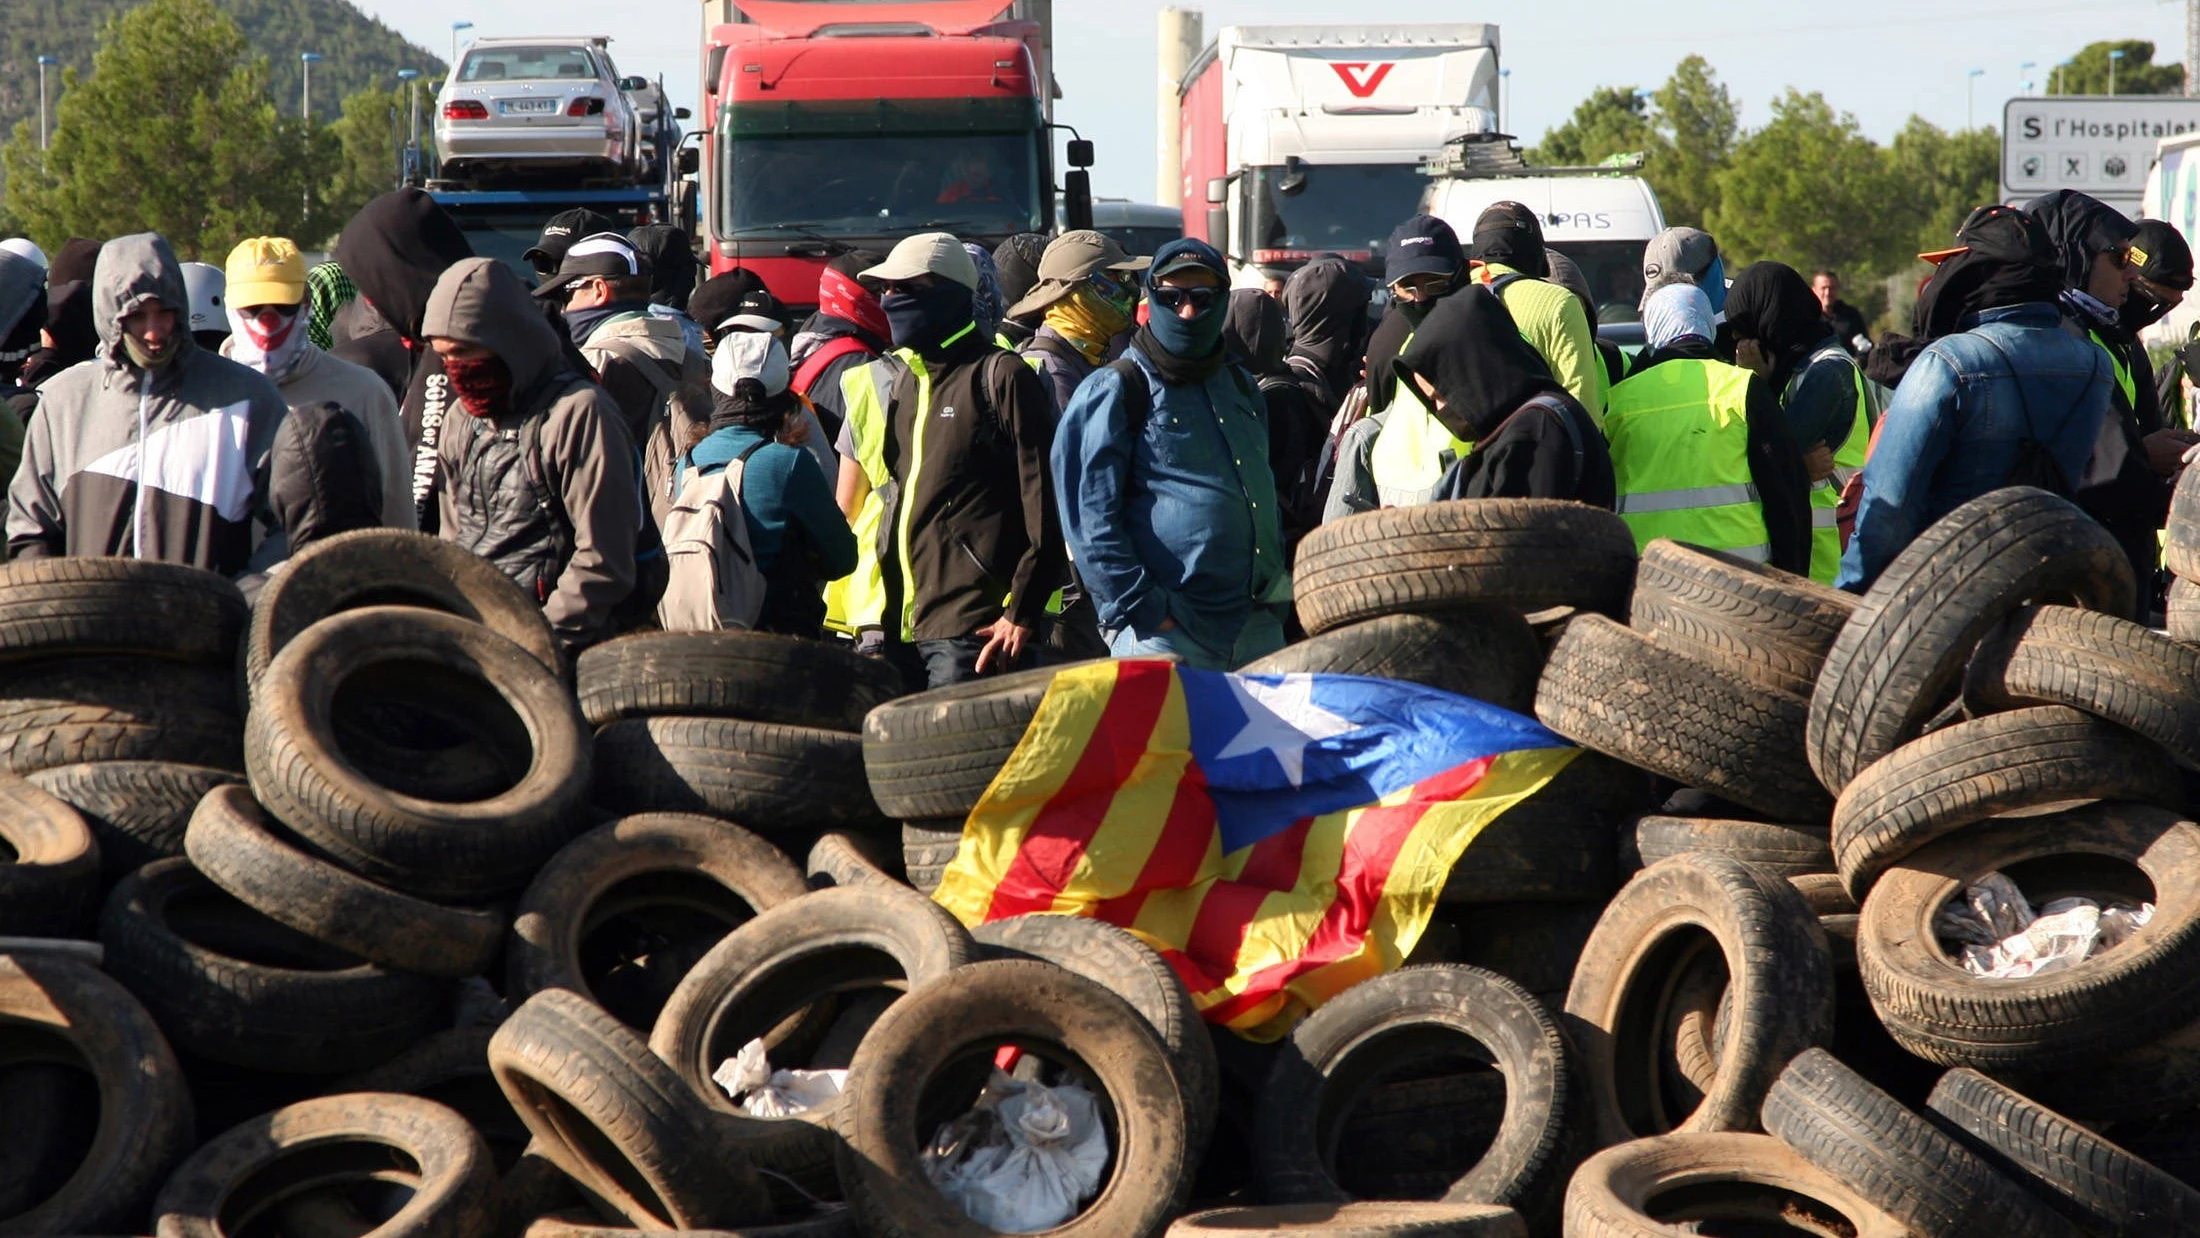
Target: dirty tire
2117 1001
338 1140
56 607
773 779
1780 991
452 1069
719 871
67 711
2181 540
754 676
852 858
942 1027
1523 554
1537 851
1895 1159
137 809
144 1118
1368 1220
1771 627
1535 945
933 754
391 567
619 1121
927 848
1354 1037
1129 968
1487 653
1741 1179
2111 668
2112 1192
1955 777
49 870
1614 690
2160 1076
1789 850
779 964
1825 894
234 843
457 851
1895 662
256 993
2183 610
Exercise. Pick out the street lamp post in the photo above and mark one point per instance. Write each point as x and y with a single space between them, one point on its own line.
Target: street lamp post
457 26
44 63
306 61
2114 55
1505 97
412 127
2025 71
1970 98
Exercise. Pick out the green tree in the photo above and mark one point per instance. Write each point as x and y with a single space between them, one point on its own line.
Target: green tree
371 134
1943 177
1810 189
1612 120
1699 123
2136 73
173 131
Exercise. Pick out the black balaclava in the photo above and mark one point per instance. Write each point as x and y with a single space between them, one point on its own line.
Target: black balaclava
1469 349
925 319
1509 233
2163 257
1769 303
1017 261
671 259
1325 302
1253 332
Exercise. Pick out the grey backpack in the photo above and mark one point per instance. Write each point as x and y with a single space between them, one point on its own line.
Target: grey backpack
713 579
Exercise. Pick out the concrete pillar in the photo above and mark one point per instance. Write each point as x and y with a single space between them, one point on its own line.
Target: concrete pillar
1181 40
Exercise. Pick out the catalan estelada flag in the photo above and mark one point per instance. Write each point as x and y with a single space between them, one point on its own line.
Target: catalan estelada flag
1279 838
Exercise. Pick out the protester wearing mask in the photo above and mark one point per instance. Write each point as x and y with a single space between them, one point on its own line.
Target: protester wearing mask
1325 305
798 536
560 233
68 338
1087 294
847 331
1167 499
328 291
962 438
1510 260
1017 262
394 250
1685 255
142 410
1395 456
1700 448
538 476
639 358
1530 439
2164 262
22 318
1298 420
1781 335
2009 397
267 319
668 258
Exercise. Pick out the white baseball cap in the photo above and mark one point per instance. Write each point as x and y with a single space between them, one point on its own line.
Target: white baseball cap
928 253
749 354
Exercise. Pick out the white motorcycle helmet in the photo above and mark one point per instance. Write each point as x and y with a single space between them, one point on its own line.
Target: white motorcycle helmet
205 286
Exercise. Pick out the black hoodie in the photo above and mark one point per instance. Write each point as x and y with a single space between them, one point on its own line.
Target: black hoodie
1298 421
1470 351
1326 303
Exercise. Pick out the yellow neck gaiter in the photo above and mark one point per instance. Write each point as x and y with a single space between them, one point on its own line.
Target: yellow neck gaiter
1088 321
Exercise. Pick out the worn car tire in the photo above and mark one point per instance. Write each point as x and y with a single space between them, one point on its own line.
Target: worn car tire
897 1095
2182 610
619 1121
138 810
1668 1186
1896 1160
143 1124
753 676
249 1172
452 1069
390 567
2111 668
66 711
245 990
234 843
1524 554
1896 660
88 605
49 863
852 858
1948 780
1535 945
2116 1001
713 876
1487 653
457 851
927 848
933 754
1779 988
1388 1219
775 780
1789 850
1771 627
1537 851
1617 691
2181 532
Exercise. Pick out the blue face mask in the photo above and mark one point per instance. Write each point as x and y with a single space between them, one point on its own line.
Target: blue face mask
925 318
1713 283
1196 338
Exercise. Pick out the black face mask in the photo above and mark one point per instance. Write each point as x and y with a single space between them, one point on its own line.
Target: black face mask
2141 309
925 318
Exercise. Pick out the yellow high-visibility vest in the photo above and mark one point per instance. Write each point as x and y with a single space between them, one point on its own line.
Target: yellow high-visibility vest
1679 434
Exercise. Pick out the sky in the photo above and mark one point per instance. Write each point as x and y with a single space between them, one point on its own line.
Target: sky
1883 60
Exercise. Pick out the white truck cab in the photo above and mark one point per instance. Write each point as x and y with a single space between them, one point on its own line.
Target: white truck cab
1602 221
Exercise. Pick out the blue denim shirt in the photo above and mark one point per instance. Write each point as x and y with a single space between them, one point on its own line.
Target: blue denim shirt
1179 522
1955 425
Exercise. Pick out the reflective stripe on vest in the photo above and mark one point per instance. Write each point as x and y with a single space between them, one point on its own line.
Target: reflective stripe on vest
1825 496
1680 457
858 600
2124 381
1413 450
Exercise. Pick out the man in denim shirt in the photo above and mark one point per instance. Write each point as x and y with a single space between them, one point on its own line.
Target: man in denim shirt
1972 401
1161 465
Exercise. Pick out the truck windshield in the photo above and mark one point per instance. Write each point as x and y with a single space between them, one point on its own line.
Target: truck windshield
1614 272
971 184
1349 207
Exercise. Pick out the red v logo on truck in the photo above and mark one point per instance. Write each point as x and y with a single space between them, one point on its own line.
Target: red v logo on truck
1362 78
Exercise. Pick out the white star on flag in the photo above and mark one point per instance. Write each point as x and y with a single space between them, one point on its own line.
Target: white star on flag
1282 720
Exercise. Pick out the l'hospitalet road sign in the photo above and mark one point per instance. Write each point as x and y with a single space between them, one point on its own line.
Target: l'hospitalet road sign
2100 144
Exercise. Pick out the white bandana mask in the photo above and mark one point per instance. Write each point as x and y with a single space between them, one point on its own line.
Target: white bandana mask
273 353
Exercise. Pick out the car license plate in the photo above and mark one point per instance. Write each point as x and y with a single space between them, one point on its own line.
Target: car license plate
527 107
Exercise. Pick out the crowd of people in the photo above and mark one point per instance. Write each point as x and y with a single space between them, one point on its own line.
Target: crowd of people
969 460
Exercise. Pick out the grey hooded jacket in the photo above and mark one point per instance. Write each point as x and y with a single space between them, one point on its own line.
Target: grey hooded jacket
196 431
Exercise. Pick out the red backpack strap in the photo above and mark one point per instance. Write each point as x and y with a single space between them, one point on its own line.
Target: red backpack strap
815 364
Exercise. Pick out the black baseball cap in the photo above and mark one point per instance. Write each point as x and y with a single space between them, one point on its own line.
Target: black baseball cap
605 255
2002 234
2162 255
564 228
1422 245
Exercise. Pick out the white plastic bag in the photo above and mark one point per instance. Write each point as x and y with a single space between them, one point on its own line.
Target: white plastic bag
1025 1159
762 1092
2002 938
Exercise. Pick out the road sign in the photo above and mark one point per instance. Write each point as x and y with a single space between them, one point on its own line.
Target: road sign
2100 144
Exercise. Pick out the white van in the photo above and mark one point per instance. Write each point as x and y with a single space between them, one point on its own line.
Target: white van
2173 195
1601 221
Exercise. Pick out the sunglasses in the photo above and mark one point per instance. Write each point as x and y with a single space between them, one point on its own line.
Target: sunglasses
1175 299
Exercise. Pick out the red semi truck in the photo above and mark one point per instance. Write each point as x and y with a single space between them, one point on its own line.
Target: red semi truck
833 126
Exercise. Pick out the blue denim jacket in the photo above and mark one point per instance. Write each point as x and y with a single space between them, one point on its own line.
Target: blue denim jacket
1954 427
1180 523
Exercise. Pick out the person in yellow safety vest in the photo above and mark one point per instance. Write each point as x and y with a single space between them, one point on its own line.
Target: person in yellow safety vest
1567 274
1377 466
1532 440
1508 256
1087 292
857 604
1700 448
1780 332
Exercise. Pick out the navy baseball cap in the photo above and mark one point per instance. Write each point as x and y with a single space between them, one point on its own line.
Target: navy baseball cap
1422 245
1185 252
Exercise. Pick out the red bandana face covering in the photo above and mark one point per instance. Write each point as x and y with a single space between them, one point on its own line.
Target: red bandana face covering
846 299
484 384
